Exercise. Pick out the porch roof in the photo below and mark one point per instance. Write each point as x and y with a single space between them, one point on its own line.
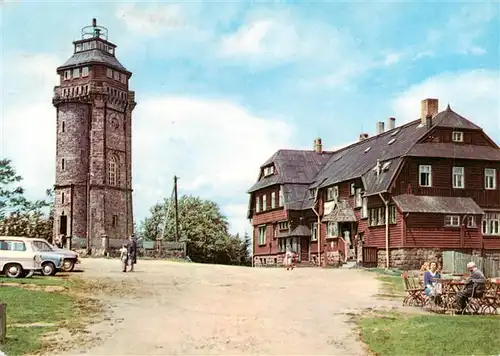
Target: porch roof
341 214
441 205
299 231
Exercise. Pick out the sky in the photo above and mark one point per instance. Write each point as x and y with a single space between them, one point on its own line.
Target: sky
221 86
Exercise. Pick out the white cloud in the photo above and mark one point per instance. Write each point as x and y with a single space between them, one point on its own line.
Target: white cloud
472 94
153 20
28 124
214 146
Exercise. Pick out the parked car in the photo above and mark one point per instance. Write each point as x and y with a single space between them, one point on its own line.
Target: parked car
70 257
19 258
52 262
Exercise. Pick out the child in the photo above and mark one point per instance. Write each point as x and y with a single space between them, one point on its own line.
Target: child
124 257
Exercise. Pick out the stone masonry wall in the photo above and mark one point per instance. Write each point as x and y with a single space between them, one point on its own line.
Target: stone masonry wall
413 258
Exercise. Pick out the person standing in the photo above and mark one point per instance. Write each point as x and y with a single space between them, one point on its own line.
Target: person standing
132 252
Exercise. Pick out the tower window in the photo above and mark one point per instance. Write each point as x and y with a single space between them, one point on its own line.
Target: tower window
62 198
113 170
76 73
115 221
63 126
67 75
109 73
123 78
85 71
63 164
116 76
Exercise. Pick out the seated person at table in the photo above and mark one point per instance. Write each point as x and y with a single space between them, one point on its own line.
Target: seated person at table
474 287
429 276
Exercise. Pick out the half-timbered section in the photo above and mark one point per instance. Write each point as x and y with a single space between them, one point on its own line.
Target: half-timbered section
397 198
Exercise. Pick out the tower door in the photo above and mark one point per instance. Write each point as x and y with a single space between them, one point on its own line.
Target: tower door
63 225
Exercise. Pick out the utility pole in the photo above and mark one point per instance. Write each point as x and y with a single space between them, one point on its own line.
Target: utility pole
176 210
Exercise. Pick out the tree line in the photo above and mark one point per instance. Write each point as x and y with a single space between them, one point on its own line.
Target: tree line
202 225
201 222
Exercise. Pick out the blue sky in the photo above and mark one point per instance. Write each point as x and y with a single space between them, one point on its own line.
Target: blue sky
221 86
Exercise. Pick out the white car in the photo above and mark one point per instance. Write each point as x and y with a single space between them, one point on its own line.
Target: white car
19 257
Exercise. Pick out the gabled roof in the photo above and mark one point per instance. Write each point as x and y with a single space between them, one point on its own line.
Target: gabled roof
449 118
93 56
359 159
435 204
292 167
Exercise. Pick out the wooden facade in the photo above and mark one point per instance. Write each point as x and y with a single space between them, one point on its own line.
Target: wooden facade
438 190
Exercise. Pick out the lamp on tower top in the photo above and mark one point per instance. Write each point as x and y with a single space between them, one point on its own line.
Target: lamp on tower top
94 31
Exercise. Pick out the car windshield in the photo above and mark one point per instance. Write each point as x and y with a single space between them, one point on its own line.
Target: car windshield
42 246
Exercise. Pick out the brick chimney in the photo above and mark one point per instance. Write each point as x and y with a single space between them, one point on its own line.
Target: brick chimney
363 136
428 108
391 123
380 127
318 146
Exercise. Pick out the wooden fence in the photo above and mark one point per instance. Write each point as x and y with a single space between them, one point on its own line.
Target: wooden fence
370 258
456 262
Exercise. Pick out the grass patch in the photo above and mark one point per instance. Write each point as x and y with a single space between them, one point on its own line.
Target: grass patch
38 306
32 306
433 335
60 280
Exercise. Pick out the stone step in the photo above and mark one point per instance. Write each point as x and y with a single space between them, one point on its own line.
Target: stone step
349 264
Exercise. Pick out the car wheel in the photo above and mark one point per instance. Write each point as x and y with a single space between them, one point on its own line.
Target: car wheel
48 269
13 270
68 266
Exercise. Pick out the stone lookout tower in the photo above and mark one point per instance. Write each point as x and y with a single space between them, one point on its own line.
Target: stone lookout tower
93 190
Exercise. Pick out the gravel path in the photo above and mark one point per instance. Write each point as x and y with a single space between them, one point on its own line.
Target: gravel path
192 309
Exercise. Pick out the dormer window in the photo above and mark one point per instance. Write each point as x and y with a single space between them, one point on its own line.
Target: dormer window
268 171
457 136
332 193
312 192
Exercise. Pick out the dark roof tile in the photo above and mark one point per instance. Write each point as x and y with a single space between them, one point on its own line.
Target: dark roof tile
94 55
449 118
434 204
453 150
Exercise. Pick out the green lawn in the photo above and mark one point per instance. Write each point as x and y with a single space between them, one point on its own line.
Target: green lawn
40 303
433 335
429 334
28 307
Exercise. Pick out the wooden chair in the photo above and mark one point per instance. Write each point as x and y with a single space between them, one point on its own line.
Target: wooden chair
414 290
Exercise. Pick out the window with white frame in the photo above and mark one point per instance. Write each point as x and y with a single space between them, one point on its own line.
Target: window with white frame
109 73
281 245
352 189
113 171
471 221
281 201
67 74
264 202
262 235
490 178
268 171
123 78
85 71
332 193
116 75
76 73
314 232
377 216
491 223
452 220
364 208
458 177
283 225
273 200
358 201
332 229
257 204
425 175
457 136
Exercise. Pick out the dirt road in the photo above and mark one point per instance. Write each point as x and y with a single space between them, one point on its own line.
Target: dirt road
191 309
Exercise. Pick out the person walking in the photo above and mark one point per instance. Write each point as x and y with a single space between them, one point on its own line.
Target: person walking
132 252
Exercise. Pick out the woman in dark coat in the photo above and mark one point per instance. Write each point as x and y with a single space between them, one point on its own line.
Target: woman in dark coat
132 252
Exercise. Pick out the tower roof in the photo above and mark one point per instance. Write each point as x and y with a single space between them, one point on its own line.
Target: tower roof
93 47
93 56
